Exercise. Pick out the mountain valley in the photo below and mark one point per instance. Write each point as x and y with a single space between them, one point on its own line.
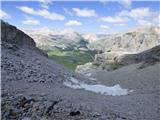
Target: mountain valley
80 60
35 87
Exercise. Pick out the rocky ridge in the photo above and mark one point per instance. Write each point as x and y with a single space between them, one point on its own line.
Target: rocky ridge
52 38
90 37
134 46
134 40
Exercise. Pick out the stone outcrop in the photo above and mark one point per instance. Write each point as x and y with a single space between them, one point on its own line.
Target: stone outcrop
12 35
90 37
134 46
135 40
121 59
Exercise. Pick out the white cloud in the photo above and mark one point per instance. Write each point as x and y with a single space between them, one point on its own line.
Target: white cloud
73 23
67 11
138 16
105 27
84 12
30 21
42 12
27 10
116 19
145 22
104 2
48 15
143 16
137 13
45 3
126 3
120 24
4 15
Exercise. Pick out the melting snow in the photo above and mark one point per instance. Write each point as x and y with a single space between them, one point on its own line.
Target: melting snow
115 90
88 74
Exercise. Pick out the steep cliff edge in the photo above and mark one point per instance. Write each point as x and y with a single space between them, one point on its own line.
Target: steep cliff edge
12 35
114 60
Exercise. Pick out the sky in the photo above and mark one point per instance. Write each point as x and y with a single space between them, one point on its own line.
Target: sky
82 16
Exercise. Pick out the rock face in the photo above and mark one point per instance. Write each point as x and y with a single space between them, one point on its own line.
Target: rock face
90 37
149 56
133 46
12 35
135 40
114 60
22 60
49 38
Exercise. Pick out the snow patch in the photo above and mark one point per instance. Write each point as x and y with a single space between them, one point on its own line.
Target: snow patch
88 74
115 90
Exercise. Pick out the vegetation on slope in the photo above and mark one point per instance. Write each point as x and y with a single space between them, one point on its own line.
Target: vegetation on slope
70 58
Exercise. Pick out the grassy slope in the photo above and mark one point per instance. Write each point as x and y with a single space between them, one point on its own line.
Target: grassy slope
71 58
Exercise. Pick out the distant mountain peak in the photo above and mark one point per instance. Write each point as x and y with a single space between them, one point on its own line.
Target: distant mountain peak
90 37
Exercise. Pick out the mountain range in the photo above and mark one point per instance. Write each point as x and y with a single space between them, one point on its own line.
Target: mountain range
63 38
124 48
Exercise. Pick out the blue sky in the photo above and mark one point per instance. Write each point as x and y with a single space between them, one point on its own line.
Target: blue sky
81 16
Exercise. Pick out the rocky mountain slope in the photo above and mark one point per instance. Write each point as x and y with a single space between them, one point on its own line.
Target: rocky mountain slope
66 47
27 74
134 40
117 59
134 46
90 37
32 84
49 38
34 87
